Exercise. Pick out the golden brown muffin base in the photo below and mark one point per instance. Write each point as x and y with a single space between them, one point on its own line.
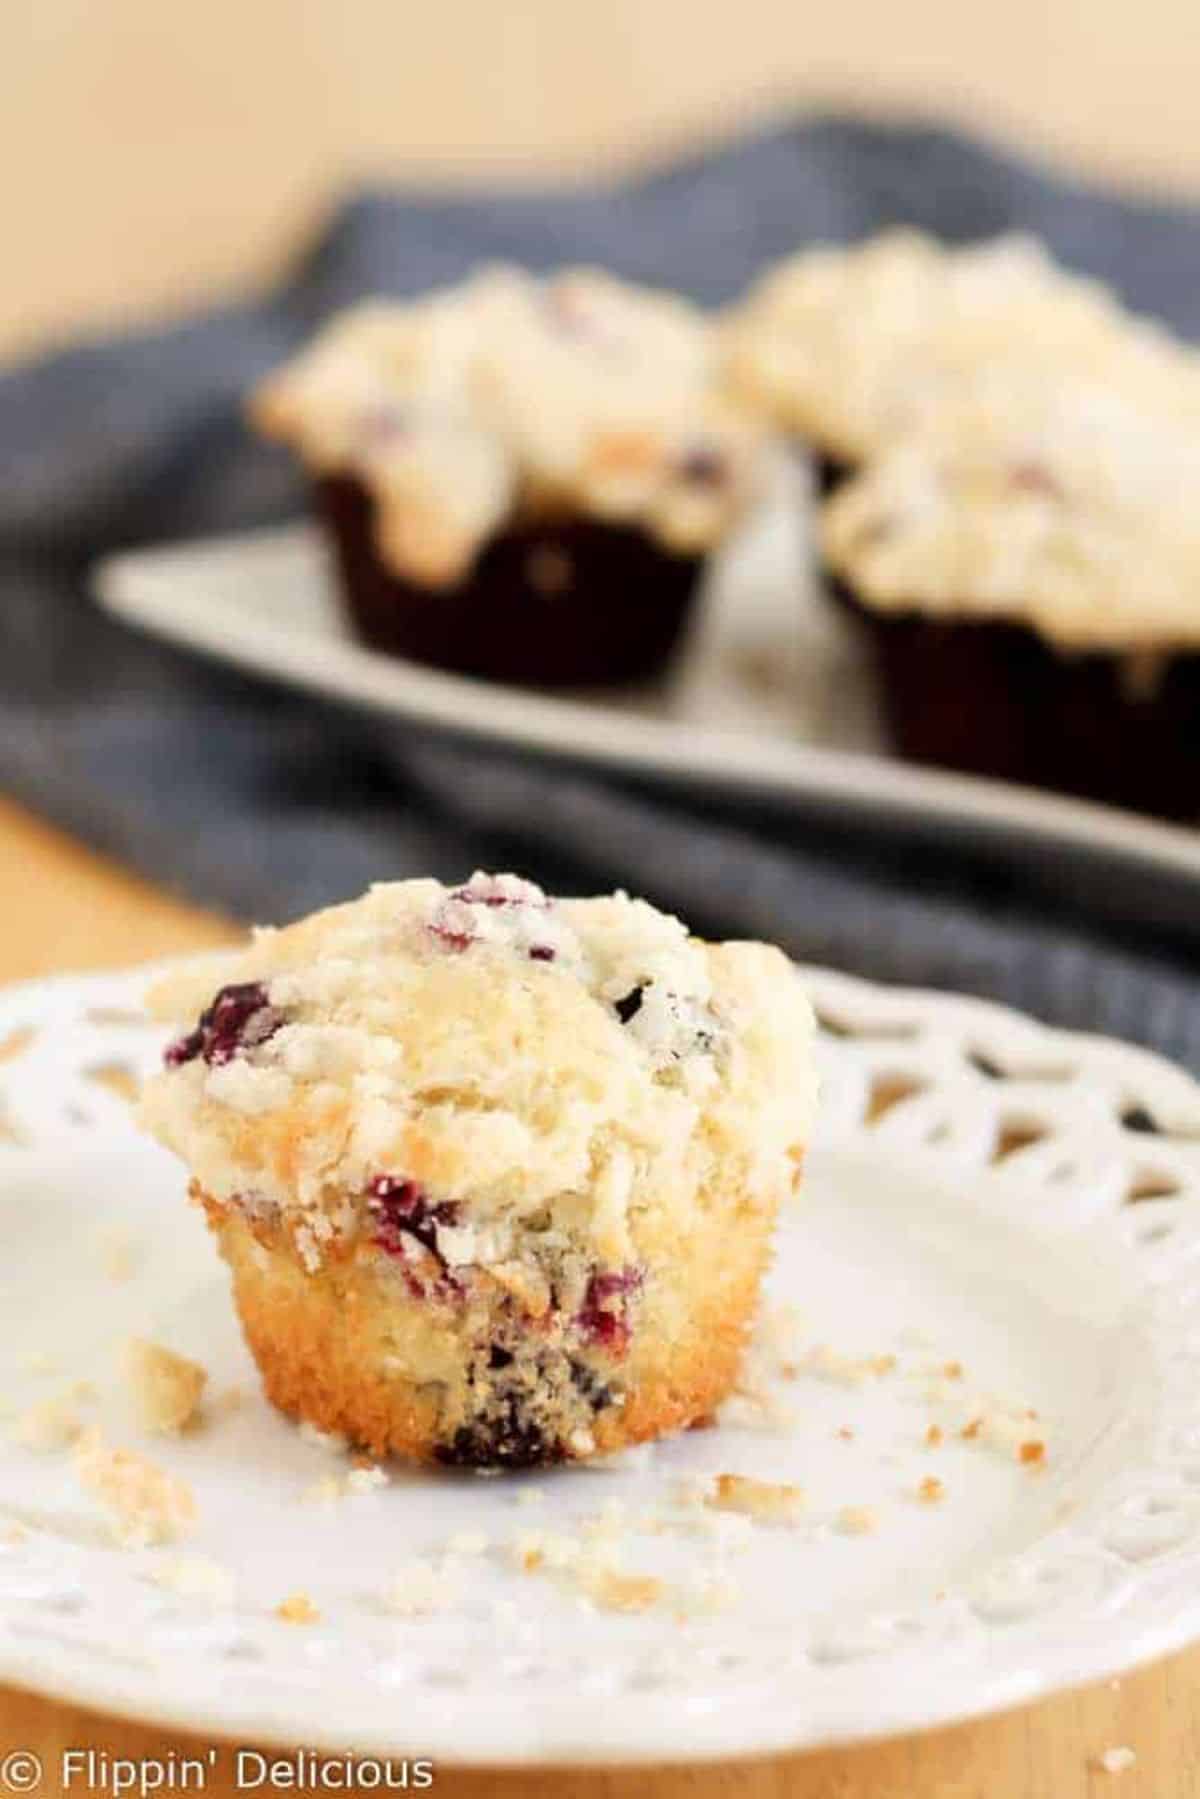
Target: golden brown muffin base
350 1350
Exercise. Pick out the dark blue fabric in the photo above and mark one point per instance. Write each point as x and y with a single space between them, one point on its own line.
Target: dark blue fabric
267 803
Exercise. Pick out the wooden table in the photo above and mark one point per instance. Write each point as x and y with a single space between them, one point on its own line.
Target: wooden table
65 908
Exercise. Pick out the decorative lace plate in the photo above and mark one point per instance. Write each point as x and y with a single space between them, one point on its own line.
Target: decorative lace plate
991 1398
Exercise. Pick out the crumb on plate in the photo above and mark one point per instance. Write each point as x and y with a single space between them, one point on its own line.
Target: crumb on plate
166 1387
297 1608
195 1577
419 1588
118 1255
49 1424
146 1504
767 1500
613 1591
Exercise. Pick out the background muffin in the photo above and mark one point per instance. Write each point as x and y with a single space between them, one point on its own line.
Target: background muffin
495 1174
1028 570
849 348
522 478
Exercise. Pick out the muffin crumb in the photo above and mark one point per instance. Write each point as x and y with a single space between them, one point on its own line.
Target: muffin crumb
857 1520
616 1592
297 1608
931 1490
146 1504
50 1424
768 1501
166 1387
195 1577
420 1588
327 1440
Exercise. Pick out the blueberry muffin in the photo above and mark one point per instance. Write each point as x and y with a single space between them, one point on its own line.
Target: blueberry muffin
847 348
1027 571
495 1174
521 478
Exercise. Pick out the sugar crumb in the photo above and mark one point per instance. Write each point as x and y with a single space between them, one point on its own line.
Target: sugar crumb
366 1480
326 1491
166 1387
146 1504
420 1588
1116 1761
297 1608
829 1364
768 1501
328 1441
49 1424
613 1591
468 1542
118 1255
195 1577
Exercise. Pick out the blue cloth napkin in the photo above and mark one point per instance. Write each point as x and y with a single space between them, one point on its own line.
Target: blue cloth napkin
267 802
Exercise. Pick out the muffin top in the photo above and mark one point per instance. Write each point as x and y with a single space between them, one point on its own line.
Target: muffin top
853 347
510 395
550 1064
1057 505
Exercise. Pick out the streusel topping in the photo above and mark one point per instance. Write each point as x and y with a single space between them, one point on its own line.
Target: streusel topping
1060 506
457 1063
510 394
854 347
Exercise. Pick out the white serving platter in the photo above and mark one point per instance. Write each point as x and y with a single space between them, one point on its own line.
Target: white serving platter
771 699
986 1203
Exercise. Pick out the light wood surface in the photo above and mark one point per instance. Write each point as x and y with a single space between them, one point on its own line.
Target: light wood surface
151 152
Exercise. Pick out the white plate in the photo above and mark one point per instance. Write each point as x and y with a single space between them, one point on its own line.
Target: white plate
772 698
968 1201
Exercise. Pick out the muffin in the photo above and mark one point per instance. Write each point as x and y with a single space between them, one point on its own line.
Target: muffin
848 348
495 1174
521 478
1027 572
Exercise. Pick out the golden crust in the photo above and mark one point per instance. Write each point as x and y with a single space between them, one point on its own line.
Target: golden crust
349 1349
